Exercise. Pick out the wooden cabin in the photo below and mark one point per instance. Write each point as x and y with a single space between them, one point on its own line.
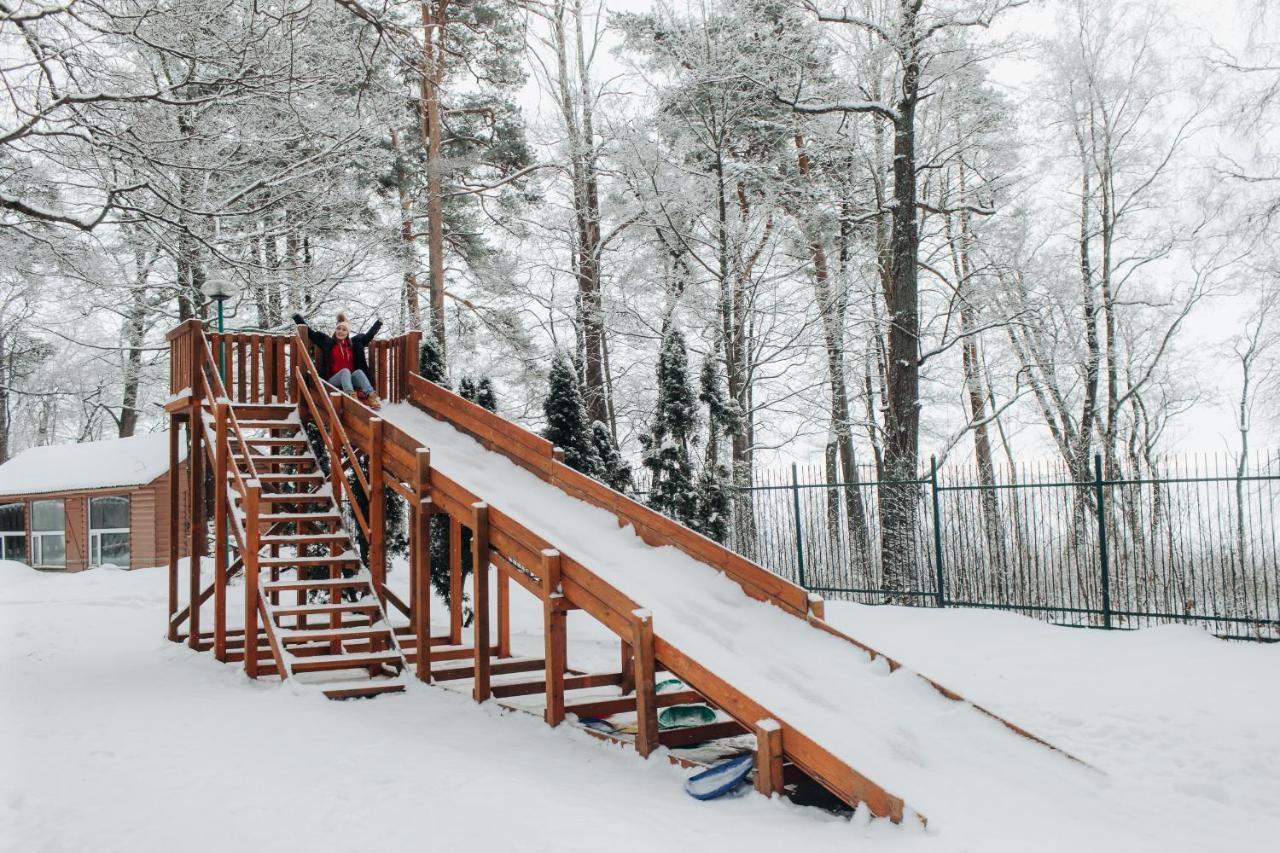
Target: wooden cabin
69 507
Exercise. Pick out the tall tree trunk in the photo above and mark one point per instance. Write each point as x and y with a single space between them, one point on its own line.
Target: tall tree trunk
959 239
135 330
831 309
898 492
577 113
434 18
408 239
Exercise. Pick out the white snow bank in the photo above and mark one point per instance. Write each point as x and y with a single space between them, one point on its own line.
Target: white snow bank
92 465
977 782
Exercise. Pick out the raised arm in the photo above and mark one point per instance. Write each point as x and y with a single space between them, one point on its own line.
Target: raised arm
371 332
317 338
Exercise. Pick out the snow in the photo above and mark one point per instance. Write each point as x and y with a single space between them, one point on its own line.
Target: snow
976 781
117 740
130 461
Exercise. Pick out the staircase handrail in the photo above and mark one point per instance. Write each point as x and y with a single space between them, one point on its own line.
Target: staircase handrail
335 437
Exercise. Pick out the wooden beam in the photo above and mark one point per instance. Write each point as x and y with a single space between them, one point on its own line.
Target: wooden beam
421 604
175 524
480 597
627 704
195 507
571 682
220 533
627 663
250 556
503 582
768 758
646 704
554 637
674 738
455 580
377 509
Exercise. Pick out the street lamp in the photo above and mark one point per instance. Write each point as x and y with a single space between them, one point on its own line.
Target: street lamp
220 290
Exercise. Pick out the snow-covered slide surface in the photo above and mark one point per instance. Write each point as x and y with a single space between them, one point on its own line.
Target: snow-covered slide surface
971 776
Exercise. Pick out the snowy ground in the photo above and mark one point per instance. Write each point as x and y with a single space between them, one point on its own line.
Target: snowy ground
113 739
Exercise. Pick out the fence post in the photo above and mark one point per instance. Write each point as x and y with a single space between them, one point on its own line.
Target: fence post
937 530
1103 558
795 504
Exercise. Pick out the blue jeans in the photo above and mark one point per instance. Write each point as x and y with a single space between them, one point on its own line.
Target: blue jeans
344 379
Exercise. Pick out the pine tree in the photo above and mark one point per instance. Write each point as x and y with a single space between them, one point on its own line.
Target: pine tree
672 491
485 397
430 363
615 472
567 426
479 392
713 482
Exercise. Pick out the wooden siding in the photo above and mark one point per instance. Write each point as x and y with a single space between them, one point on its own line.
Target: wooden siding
148 521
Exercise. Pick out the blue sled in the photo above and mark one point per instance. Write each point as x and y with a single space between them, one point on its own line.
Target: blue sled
719 780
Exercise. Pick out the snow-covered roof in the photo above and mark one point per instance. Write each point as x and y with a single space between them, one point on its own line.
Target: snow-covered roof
92 465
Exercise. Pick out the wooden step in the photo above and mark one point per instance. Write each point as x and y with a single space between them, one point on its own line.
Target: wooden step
266 424
271 519
265 411
275 459
290 636
296 477
272 441
290 562
306 539
322 583
329 663
358 689
317 609
293 497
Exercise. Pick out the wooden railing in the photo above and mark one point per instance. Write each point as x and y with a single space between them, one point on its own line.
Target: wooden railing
525 558
259 366
319 397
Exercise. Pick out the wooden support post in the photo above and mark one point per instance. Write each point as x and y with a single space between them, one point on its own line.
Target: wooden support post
817 606
175 525
504 615
220 534
627 666
420 608
377 510
769 757
250 559
480 596
455 581
646 697
553 633
195 506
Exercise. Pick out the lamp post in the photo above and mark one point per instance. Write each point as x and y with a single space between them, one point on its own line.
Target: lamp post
220 290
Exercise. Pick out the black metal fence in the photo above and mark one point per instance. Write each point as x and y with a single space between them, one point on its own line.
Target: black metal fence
1195 543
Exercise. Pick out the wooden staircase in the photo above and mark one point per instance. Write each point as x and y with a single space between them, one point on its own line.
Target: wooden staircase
326 628
314 611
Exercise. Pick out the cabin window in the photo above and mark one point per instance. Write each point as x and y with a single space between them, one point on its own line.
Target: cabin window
48 535
109 531
13 532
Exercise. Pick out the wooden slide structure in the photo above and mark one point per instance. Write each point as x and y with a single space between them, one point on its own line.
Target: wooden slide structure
245 399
